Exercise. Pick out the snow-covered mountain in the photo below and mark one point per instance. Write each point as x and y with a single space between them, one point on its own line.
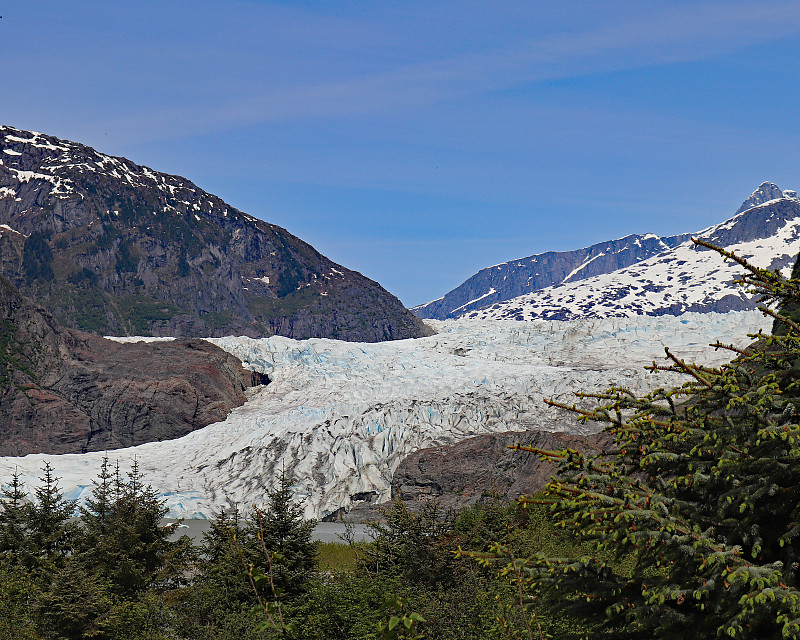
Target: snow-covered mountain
112 247
340 416
636 274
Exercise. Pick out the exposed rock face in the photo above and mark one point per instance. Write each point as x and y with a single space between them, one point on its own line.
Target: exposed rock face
768 214
484 467
112 247
766 191
66 391
517 277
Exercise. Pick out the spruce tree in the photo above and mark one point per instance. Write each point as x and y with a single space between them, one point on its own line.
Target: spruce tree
123 537
13 521
694 512
220 598
282 536
51 531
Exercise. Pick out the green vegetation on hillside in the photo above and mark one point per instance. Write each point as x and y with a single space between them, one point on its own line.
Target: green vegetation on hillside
37 258
118 574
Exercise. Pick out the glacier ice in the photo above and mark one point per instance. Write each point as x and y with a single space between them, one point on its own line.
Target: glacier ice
340 416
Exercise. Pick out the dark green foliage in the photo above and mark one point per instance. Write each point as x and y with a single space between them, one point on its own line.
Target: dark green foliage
83 277
90 305
107 238
218 602
37 258
123 539
281 532
216 319
120 577
292 274
412 546
701 490
183 265
74 603
12 354
17 591
345 605
789 307
139 311
50 531
14 521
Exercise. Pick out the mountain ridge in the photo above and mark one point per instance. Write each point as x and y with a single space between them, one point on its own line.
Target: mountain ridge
113 247
505 288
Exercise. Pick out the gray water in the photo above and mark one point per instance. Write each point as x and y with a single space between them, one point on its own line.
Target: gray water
324 531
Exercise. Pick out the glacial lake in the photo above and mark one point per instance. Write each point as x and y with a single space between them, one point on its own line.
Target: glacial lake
324 531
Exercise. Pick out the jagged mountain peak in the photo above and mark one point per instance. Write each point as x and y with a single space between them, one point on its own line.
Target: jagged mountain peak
684 278
765 227
517 277
766 192
114 247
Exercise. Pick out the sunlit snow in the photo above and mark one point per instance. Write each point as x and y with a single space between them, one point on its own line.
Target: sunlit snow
340 416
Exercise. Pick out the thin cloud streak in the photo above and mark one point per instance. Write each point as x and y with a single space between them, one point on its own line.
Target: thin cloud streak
672 36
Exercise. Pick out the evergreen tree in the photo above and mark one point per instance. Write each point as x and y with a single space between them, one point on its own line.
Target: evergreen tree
282 536
123 537
13 521
17 592
74 604
51 531
701 490
218 602
413 546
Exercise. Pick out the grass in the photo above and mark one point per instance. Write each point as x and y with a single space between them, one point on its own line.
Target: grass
337 556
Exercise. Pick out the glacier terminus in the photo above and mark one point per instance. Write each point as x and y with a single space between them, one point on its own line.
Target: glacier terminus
340 416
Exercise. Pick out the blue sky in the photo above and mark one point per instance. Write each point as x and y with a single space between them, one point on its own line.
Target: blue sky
418 142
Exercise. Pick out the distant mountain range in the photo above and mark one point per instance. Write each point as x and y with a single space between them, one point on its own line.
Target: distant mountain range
637 274
112 247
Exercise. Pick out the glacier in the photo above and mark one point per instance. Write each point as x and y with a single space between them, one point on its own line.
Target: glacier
340 416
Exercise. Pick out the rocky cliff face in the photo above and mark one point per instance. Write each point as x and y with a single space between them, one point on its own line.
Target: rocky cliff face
116 248
762 215
485 468
66 391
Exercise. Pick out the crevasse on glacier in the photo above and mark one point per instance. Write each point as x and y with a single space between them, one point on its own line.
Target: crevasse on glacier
340 416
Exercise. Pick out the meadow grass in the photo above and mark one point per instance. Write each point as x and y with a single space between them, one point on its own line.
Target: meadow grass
336 556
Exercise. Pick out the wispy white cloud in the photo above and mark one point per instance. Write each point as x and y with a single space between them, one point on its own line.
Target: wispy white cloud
671 34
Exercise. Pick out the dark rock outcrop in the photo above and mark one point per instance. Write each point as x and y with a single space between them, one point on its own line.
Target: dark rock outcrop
483 467
115 248
474 470
66 391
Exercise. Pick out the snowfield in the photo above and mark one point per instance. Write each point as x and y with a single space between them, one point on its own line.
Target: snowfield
340 416
685 278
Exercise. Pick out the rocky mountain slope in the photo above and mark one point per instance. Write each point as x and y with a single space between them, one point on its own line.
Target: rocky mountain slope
340 417
112 247
64 391
636 274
